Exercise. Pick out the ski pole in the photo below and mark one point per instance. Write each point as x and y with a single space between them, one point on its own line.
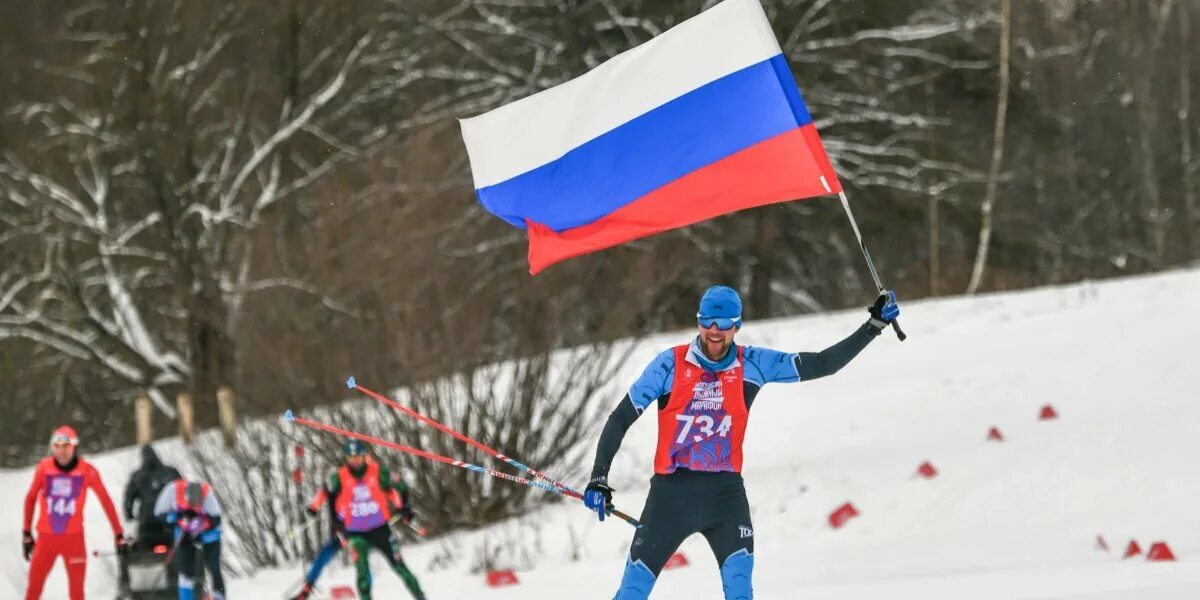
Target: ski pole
417 529
352 384
175 546
867 255
303 528
396 520
289 416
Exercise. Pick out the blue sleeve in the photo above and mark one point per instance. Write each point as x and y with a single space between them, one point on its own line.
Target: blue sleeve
654 382
764 366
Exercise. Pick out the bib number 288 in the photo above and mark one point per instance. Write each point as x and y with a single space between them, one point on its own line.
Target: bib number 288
705 424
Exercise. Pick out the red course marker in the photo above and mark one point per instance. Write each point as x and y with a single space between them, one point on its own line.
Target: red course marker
677 561
1160 552
844 513
501 578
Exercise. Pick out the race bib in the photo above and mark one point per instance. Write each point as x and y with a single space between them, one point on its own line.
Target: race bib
62 499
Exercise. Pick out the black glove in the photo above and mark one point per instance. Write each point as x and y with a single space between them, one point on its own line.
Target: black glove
122 544
884 310
405 513
27 543
597 496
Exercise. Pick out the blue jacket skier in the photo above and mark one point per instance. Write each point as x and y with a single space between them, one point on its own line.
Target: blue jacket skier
193 508
704 391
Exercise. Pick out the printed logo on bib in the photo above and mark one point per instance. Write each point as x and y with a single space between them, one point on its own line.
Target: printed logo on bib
701 442
62 500
707 394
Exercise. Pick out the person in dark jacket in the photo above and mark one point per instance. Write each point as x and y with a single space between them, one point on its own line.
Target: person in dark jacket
142 491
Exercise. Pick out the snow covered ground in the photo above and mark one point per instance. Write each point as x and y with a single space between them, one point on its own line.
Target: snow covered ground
1010 520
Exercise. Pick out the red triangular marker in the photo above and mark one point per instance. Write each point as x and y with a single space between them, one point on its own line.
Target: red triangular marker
677 560
1048 413
927 470
994 435
1132 550
1160 552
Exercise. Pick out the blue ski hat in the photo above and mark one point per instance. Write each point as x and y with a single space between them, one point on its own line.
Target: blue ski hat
354 448
720 305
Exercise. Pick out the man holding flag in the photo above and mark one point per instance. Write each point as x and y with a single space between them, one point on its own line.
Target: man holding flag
704 391
701 121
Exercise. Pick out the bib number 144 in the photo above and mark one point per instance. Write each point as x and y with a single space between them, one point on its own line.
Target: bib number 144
705 424
62 506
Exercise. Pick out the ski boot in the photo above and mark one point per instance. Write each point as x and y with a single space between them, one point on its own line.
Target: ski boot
304 592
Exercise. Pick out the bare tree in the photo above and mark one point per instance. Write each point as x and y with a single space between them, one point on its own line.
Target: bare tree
138 219
1188 167
989 201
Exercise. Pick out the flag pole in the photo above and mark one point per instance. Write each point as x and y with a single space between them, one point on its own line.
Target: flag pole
867 255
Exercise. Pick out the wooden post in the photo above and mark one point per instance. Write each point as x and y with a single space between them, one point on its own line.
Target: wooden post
227 415
141 415
183 402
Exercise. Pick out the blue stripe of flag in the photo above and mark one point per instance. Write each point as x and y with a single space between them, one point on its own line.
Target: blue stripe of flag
695 130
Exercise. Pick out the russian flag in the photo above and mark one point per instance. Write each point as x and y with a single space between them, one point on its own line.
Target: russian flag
703 120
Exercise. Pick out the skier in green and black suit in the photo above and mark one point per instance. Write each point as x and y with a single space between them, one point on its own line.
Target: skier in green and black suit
366 495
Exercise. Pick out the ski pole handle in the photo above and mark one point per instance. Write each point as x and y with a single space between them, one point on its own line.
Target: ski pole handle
899 332
627 518
616 513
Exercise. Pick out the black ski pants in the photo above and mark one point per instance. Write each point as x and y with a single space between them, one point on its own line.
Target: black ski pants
687 502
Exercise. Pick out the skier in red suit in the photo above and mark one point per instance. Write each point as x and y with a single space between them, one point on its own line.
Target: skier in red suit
59 490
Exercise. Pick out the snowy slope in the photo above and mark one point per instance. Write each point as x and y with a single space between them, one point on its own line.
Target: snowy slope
1007 520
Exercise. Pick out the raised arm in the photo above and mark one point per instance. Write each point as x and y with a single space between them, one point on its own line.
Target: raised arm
766 366
815 365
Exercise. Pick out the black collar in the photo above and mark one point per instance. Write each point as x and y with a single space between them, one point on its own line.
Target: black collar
70 466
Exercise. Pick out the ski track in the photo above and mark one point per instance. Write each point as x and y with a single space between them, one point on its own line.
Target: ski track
1014 520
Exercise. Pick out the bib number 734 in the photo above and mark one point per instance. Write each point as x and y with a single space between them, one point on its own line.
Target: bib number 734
705 423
